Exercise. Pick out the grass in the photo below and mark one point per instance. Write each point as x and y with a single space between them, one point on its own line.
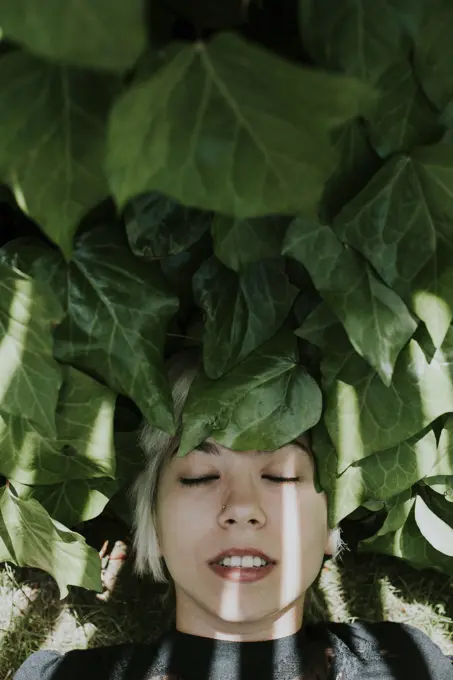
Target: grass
369 587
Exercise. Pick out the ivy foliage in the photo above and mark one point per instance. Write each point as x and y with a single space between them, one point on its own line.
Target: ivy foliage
270 182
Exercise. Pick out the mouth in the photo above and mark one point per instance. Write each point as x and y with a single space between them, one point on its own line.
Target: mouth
242 552
240 574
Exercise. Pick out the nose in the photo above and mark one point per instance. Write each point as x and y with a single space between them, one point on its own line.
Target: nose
243 505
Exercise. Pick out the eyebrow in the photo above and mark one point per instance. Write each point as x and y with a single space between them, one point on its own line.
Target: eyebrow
213 450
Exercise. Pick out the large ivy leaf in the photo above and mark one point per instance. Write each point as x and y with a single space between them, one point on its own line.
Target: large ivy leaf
433 51
158 226
83 447
52 146
117 309
358 37
363 416
409 544
103 34
239 150
264 402
435 530
403 116
237 243
71 502
241 311
416 259
34 539
376 320
379 477
30 378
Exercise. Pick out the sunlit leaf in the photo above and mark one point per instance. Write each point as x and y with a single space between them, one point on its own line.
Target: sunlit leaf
83 447
363 416
415 261
34 539
117 308
30 378
436 532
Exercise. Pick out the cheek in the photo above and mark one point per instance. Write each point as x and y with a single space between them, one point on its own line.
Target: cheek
180 524
309 529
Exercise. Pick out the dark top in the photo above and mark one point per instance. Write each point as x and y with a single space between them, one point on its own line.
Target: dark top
323 651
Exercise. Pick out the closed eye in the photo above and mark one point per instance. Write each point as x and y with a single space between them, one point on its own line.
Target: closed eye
195 481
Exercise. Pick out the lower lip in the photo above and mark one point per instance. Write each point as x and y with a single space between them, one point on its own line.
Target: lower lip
242 575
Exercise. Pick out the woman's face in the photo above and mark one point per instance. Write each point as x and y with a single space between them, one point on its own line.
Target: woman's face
287 521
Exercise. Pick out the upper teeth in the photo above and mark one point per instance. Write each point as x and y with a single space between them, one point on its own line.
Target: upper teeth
247 561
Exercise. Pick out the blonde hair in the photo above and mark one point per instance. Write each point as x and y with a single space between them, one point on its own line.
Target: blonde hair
159 447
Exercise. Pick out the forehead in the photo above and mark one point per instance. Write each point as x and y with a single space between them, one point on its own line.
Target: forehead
211 448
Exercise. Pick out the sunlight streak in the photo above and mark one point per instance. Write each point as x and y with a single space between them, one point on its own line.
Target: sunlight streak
13 343
100 444
428 307
19 195
350 442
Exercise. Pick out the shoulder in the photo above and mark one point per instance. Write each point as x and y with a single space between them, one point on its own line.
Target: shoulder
96 662
39 666
396 649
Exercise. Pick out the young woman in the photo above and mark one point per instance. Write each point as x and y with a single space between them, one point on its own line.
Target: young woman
240 537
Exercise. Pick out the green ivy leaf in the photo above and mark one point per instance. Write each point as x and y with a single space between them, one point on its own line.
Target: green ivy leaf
158 226
398 509
264 402
102 34
52 146
410 545
357 163
403 116
433 52
73 501
239 150
444 465
435 530
318 326
117 309
379 477
440 505
34 539
238 243
441 484
357 37
376 320
416 262
363 416
83 447
241 311
30 378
